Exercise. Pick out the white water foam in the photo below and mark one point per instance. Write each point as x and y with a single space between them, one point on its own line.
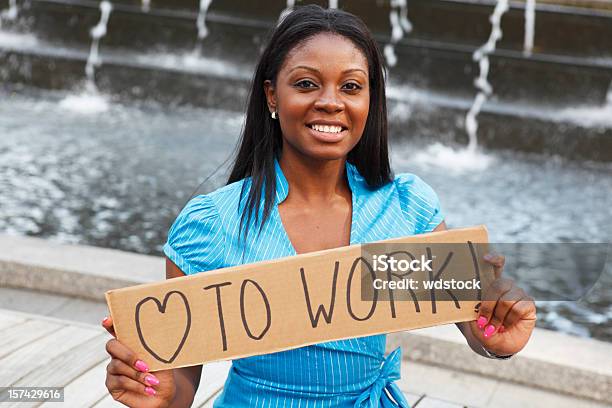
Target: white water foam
17 40
87 103
457 161
192 62
333 4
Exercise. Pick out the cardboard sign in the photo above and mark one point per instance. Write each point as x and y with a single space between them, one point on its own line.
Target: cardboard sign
295 301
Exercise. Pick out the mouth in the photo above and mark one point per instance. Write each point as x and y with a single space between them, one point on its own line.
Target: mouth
329 129
327 133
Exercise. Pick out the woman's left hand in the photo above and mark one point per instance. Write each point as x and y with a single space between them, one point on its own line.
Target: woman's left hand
507 315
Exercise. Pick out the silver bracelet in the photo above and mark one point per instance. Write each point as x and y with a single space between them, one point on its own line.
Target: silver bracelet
491 354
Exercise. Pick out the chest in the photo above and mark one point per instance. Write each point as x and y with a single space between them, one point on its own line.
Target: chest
314 228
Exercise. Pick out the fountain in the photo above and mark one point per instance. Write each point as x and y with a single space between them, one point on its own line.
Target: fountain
201 25
400 25
471 158
145 5
529 27
91 101
10 13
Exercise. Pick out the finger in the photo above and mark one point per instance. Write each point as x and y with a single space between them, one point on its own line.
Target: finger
504 304
118 350
498 261
118 384
491 295
524 309
118 367
107 323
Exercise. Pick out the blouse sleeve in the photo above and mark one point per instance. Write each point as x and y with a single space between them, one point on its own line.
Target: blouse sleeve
195 240
419 202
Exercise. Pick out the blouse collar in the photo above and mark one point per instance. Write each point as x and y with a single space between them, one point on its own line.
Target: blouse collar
356 181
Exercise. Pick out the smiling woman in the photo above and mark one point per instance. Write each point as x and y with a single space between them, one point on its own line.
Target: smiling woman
312 172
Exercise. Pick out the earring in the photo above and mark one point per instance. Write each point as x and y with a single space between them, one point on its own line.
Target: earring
274 115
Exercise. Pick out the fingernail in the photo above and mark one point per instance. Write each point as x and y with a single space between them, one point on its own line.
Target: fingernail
150 391
105 320
482 321
501 329
488 257
151 380
489 330
141 366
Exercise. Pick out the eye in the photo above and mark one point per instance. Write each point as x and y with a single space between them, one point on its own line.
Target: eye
305 84
352 86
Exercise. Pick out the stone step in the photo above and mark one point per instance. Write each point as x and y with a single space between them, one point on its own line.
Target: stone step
560 28
437 62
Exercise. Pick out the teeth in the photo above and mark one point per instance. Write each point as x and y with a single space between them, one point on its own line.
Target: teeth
327 129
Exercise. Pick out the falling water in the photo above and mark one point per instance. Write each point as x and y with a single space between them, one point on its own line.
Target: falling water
470 158
529 27
145 5
97 32
10 13
90 101
333 4
400 25
481 55
288 9
201 24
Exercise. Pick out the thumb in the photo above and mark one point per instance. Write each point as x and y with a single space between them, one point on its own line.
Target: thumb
107 323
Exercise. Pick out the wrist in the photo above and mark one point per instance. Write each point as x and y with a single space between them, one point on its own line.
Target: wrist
494 355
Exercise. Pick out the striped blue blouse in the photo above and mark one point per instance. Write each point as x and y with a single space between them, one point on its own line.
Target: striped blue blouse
345 373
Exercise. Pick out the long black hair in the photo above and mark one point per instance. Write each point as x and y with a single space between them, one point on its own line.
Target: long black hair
261 139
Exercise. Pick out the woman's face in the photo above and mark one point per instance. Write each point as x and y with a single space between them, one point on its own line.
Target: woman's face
322 97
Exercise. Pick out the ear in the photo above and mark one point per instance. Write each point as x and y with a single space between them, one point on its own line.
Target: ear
270 95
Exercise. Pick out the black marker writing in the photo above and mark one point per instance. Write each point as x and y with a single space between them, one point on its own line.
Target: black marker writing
217 287
243 314
314 319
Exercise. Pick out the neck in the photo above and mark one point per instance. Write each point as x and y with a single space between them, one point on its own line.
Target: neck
314 180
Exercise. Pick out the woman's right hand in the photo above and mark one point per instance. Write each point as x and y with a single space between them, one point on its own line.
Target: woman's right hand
128 380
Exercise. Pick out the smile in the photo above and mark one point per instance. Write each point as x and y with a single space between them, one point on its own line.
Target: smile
326 128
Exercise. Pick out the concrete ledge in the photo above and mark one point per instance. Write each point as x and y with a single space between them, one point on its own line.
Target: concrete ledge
74 270
552 361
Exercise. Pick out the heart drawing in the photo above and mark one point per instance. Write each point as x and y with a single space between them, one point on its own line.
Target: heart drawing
161 307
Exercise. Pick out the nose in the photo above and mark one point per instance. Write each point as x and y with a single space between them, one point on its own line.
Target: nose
329 101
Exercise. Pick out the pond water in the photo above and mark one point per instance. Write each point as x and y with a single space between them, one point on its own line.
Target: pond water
119 177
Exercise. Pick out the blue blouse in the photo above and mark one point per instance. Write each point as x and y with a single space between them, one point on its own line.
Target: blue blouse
344 373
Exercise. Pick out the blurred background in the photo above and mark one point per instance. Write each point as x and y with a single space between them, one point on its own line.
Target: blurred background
113 115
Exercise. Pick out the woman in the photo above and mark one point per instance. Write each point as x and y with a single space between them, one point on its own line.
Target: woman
312 173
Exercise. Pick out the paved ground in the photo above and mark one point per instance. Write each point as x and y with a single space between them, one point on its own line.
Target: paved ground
64 324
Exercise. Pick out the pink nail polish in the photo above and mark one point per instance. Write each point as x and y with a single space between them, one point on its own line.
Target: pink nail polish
105 320
150 391
489 330
151 380
482 321
141 366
